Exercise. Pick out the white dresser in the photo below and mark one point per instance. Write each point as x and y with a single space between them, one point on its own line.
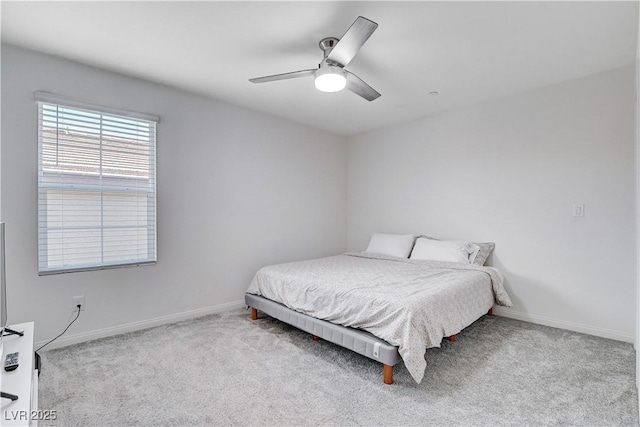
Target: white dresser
22 381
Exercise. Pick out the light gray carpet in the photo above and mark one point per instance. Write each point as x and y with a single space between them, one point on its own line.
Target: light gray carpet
227 370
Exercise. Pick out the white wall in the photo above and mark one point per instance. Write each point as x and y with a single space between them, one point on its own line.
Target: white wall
509 171
637 128
237 190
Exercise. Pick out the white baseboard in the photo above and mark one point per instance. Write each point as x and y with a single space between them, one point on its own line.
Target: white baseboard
143 324
192 314
562 324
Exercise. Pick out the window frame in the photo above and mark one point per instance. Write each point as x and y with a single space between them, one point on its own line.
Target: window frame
96 189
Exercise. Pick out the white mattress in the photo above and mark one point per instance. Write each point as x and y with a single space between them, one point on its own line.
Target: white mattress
407 303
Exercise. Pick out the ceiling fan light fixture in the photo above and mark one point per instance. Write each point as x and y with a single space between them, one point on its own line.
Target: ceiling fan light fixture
330 76
330 79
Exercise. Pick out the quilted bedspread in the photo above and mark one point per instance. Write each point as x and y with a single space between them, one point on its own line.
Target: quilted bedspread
408 303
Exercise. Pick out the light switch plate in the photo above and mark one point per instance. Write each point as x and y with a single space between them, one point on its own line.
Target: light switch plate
578 210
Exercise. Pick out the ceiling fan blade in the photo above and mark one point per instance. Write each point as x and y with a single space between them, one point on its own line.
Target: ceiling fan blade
356 85
351 42
283 76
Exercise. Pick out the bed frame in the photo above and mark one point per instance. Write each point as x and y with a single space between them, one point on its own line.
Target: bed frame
356 340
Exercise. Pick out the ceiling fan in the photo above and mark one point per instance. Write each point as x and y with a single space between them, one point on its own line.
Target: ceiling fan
330 76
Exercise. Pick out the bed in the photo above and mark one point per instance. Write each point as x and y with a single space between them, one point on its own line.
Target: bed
388 308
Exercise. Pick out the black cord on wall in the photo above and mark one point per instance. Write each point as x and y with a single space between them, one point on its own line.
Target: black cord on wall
65 330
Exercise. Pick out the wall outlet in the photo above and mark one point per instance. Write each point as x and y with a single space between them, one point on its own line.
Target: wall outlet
78 300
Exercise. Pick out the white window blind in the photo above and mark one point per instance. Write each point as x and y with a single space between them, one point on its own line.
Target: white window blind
96 188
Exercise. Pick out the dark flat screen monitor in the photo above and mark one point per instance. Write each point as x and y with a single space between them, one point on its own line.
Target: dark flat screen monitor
3 282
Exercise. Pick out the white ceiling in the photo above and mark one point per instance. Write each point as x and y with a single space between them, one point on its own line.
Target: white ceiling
469 52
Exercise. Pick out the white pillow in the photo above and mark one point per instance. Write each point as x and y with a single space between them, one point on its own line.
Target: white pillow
398 245
445 250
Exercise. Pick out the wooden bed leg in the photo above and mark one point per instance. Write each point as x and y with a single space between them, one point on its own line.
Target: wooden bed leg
254 314
453 338
316 338
490 312
388 374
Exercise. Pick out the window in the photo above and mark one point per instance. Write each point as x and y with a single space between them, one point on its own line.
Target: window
96 186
